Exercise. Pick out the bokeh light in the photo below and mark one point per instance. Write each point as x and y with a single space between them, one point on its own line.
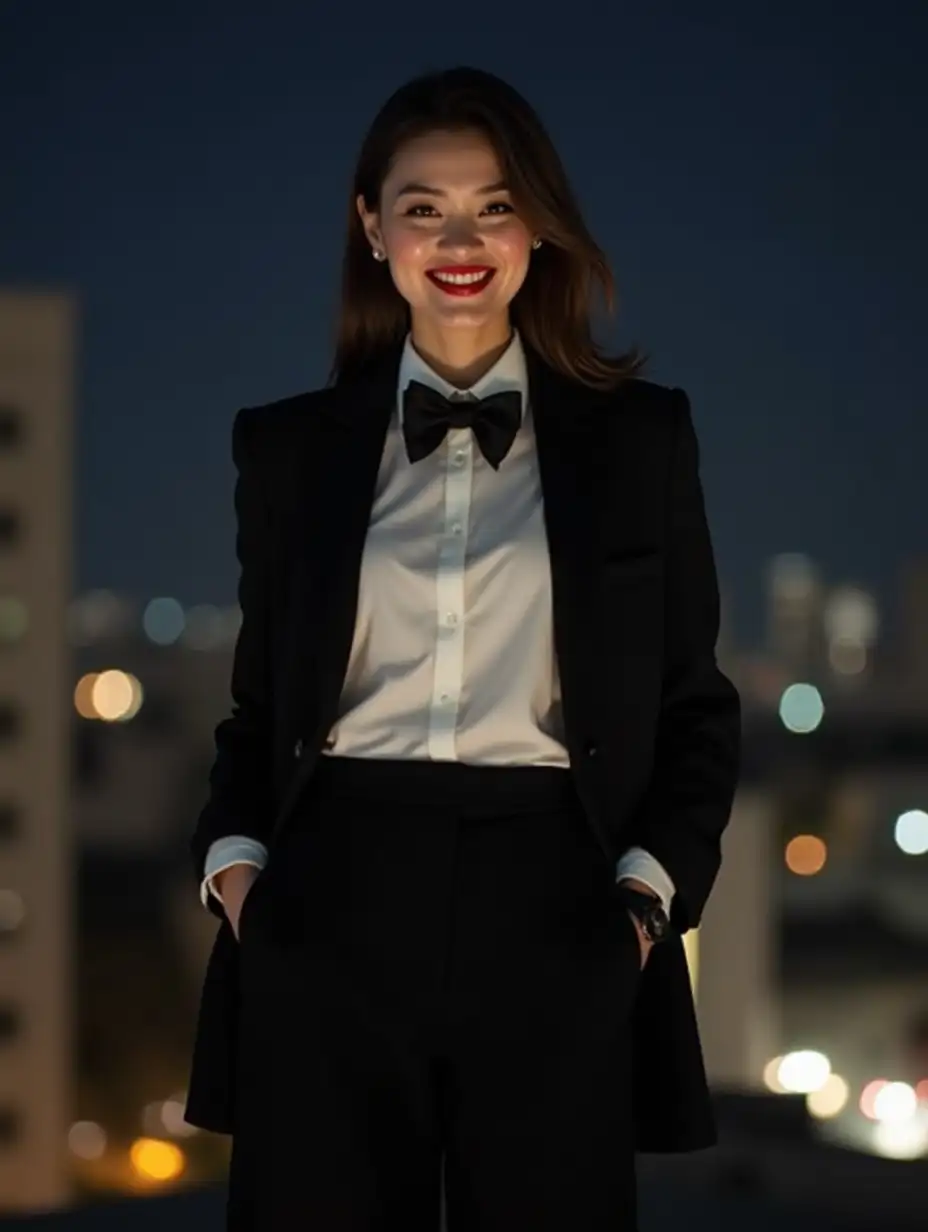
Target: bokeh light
772 1076
900 1139
803 1071
895 1101
87 1140
155 1160
805 855
911 832
868 1097
801 708
830 1099
163 621
112 696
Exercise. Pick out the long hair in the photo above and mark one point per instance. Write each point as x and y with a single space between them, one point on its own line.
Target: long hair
554 307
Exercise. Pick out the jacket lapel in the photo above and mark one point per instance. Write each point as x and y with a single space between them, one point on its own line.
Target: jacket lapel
336 483
572 438
336 475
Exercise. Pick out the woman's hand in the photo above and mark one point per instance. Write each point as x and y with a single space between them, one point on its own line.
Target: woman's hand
643 942
233 885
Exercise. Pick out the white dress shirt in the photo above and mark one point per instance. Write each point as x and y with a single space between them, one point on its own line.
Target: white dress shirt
453 651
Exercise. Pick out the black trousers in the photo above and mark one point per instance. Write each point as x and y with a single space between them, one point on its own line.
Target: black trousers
436 982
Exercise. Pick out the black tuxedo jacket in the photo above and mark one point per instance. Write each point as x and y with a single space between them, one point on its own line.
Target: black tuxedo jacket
652 724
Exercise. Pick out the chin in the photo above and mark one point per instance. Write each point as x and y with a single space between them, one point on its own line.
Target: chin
464 313
464 318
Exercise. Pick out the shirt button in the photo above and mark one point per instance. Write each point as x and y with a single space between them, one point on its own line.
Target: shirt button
445 698
451 619
459 458
456 528
298 749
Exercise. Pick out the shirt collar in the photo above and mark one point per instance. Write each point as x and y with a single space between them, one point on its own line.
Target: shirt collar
507 374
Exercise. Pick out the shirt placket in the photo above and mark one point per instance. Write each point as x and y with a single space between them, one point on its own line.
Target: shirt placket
448 681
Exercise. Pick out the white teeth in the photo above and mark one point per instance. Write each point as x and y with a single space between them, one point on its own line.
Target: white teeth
460 279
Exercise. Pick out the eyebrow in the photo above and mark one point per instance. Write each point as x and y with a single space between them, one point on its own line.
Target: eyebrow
425 190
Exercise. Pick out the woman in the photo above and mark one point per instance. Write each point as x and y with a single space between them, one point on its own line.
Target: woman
481 756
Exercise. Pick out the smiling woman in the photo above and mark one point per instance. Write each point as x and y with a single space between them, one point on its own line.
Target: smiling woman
456 248
480 748
461 195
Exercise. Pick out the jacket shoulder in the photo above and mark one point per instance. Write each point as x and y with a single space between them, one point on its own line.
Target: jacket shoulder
651 396
654 412
275 416
263 431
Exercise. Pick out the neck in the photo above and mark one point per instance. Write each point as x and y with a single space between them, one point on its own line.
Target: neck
460 356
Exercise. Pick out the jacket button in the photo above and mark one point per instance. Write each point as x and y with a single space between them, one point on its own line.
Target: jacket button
591 749
298 749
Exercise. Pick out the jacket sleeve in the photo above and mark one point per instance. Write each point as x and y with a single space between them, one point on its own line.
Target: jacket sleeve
698 745
240 799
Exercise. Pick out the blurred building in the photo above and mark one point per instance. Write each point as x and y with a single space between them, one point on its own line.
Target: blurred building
794 604
912 642
37 343
151 681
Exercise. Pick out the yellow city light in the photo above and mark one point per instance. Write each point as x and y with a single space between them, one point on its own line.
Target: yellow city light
154 1160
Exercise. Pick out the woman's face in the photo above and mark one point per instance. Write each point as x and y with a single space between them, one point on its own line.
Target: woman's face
457 250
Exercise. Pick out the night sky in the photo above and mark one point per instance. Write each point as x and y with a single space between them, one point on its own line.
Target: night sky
758 179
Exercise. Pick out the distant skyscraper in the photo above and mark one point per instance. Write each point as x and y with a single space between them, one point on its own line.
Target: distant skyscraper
794 635
913 640
36 389
851 624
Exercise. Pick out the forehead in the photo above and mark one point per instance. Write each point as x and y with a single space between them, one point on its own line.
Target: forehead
450 161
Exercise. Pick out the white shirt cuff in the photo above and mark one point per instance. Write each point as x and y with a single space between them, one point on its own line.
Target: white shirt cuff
641 865
234 849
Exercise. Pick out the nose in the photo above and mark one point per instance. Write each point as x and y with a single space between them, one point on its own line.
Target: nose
460 236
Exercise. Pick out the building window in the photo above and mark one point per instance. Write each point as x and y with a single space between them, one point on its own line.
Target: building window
12 913
14 619
9 821
9 720
11 427
9 1023
10 1125
10 526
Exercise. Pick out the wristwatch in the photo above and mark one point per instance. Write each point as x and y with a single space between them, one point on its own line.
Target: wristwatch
647 910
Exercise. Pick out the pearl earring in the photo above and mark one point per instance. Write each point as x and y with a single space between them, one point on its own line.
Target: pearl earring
536 243
378 255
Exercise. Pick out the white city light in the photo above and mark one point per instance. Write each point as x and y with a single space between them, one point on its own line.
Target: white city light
911 832
830 1098
801 708
894 1103
803 1071
900 1140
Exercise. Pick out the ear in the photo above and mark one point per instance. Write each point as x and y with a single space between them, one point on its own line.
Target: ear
370 221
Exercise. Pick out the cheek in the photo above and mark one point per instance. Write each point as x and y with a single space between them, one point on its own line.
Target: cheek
513 249
406 247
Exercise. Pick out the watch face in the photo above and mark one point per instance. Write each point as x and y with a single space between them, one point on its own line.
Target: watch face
656 923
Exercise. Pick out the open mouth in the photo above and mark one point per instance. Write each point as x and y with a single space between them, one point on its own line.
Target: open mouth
461 279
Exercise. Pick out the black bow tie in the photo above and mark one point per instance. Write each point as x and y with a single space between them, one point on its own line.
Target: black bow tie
427 416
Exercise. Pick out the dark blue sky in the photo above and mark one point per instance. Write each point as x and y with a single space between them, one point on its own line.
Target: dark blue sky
758 179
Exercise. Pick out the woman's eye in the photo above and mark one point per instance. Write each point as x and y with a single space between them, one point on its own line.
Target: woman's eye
425 210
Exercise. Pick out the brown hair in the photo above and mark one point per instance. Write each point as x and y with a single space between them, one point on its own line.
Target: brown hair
553 308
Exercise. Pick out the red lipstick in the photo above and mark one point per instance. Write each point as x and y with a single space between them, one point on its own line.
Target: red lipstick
461 279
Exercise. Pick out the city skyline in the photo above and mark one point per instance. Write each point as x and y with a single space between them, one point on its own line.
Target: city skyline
173 219
734 173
